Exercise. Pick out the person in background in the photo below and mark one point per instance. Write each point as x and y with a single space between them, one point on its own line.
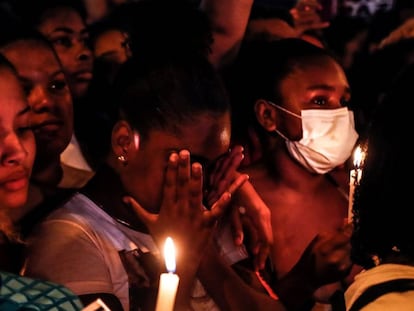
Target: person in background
51 115
382 241
294 95
267 22
63 24
17 154
392 58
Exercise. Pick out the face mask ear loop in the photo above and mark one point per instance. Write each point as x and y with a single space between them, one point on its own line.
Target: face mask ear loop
284 110
281 135
288 112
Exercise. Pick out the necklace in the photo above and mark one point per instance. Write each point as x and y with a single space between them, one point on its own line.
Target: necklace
126 224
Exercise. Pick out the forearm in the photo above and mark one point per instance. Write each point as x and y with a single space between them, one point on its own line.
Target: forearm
229 20
185 287
294 290
228 290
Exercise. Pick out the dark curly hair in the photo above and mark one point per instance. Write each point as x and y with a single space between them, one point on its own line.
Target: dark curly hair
382 203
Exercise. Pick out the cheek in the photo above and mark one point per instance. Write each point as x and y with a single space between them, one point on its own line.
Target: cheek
291 127
66 111
295 129
144 181
65 56
30 147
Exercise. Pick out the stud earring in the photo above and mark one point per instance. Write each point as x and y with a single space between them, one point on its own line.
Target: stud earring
123 160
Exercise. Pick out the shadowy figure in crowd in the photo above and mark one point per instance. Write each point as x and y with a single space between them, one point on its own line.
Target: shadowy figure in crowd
268 22
369 84
382 241
63 23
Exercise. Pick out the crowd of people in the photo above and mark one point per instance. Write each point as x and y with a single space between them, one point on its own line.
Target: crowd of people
227 125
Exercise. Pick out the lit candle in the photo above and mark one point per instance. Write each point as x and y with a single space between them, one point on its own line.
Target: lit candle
168 281
354 178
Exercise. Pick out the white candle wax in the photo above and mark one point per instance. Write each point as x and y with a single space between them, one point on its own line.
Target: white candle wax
352 182
354 179
167 289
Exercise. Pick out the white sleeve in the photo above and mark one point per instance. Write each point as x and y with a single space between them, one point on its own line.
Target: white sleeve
64 252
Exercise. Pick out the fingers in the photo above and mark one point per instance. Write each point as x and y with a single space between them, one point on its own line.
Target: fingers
219 207
261 256
196 188
183 179
170 180
224 173
306 16
227 165
238 183
259 232
236 225
224 199
307 5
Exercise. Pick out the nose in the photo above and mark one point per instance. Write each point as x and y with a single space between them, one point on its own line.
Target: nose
13 152
85 52
39 99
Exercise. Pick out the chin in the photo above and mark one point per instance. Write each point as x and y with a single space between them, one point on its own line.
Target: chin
80 89
15 201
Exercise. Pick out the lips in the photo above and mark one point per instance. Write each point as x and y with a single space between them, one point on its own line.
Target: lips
82 76
15 182
47 126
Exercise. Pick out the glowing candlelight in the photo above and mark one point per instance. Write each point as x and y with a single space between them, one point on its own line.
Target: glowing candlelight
136 140
354 178
168 281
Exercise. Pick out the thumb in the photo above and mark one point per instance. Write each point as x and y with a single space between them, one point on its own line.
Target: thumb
147 218
236 225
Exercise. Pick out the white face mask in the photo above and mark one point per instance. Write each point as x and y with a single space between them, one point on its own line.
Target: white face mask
328 139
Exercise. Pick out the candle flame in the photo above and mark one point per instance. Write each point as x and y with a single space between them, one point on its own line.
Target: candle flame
358 157
136 140
169 255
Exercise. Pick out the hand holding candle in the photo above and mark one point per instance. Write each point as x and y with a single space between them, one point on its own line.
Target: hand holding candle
354 178
168 281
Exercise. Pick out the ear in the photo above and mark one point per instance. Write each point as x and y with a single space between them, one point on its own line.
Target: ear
123 138
266 115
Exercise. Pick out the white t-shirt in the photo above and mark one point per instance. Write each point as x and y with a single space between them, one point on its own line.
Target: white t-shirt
403 301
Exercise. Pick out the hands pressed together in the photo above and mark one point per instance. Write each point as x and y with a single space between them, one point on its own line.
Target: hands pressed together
184 217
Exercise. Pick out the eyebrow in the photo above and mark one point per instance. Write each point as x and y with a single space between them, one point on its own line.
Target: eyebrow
69 30
62 29
326 88
53 74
